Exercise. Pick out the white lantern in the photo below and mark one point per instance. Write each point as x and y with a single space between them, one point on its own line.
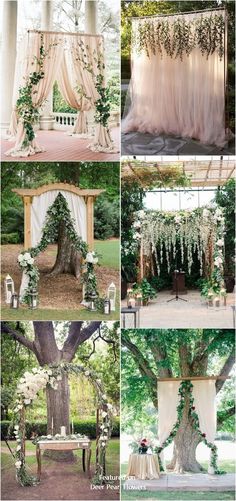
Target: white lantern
112 296
9 288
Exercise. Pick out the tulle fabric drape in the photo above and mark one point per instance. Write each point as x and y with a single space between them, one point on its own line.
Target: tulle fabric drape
184 98
77 84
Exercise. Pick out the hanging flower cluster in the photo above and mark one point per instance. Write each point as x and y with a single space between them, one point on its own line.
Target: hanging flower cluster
186 397
177 37
57 212
194 230
27 391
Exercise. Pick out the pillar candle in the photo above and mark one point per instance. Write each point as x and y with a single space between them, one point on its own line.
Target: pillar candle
63 431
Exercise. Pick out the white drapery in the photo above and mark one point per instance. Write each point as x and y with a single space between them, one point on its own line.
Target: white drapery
41 204
204 393
76 83
171 96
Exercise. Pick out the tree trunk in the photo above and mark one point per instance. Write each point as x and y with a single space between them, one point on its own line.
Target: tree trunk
58 414
68 260
185 444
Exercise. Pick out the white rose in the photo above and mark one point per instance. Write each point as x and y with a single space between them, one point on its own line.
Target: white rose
31 260
87 373
18 448
103 444
89 257
104 414
104 397
109 406
18 464
27 401
27 256
20 258
16 427
220 242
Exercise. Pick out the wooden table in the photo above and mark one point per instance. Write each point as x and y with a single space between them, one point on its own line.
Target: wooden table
143 466
65 445
131 311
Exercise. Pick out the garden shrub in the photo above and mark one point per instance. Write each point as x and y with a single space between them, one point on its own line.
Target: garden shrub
106 219
10 238
86 427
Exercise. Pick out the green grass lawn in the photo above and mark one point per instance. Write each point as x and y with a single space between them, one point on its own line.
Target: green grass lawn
228 466
112 457
110 253
41 314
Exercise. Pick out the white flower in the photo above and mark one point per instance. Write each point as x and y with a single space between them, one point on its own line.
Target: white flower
103 444
16 427
109 406
89 257
137 236
95 260
177 219
136 224
18 448
104 397
87 373
220 242
31 260
205 213
27 256
141 214
49 436
104 414
18 464
59 378
27 401
20 258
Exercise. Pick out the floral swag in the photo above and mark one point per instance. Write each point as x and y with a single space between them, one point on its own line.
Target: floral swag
179 37
58 212
186 398
201 230
27 391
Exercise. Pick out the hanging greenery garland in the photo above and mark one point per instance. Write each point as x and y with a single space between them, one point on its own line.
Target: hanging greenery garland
185 394
178 37
27 391
194 230
58 212
26 109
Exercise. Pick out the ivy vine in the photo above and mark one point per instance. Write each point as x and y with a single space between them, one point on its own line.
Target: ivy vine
26 109
179 37
186 396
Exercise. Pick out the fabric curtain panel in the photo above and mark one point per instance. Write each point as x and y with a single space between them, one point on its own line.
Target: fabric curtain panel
168 400
204 394
41 204
53 46
170 95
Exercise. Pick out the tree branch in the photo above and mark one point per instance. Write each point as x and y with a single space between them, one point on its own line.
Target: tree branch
228 365
76 337
143 366
224 415
18 337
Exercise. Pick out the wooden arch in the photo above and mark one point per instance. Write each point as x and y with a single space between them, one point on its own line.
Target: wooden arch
27 195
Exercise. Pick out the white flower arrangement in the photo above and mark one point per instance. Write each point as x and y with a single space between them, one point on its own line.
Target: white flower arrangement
91 258
24 259
18 465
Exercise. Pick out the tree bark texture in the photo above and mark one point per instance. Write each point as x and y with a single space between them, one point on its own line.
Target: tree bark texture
68 259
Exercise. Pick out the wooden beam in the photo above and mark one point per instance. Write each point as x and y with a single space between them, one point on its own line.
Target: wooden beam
57 186
27 222
231 173
90 240
193 378
207 172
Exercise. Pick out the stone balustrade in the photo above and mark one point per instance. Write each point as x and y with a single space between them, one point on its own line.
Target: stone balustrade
64 121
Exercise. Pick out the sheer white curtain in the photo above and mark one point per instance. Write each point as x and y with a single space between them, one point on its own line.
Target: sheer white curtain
204 393
168 400
41 204
53 46
171 96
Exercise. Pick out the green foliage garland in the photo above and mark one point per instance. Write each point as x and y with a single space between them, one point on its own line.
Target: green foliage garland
57 212
26 109
27 391
178 37
103 103
185 391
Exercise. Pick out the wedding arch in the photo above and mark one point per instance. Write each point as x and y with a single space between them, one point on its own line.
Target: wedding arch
178 81
44 209
186 400
27 391
201 231
76 61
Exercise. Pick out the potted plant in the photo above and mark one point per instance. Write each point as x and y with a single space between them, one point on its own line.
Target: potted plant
148 292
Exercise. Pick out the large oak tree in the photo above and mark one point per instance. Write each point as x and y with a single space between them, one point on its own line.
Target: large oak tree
149 354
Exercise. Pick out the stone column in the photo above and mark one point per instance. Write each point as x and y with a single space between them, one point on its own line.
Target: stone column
91 16
9 34
47 120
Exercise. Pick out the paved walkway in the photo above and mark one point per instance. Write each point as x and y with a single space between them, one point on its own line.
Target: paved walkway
138 143
180 314
186 482
61 147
